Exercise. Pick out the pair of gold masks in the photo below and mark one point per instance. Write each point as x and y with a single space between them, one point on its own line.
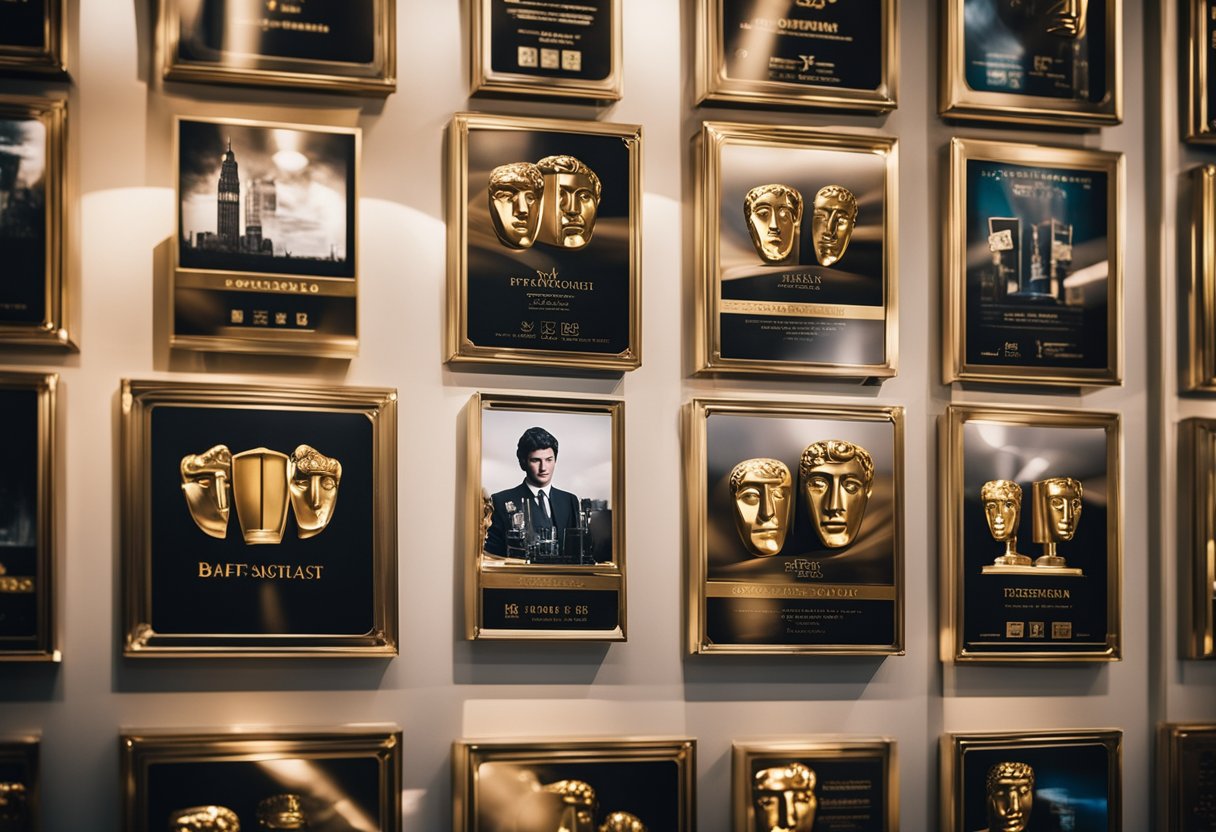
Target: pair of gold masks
783 799
554 201
568 806
1057 510
262 483
837 479
774 220
1010 797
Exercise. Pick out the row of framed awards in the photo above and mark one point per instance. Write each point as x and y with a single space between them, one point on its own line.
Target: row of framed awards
350 779
260 520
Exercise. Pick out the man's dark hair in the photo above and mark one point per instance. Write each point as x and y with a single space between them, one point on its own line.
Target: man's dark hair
534 439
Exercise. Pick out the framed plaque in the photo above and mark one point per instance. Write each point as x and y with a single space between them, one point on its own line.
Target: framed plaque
1186 762
33 297
321 45
1201 99
1032 61
548 529
258 520
27 518
19 788
32 38
546 49
771 299
820 783
795 532
339 779
1034 264
1197 460
611 785
1033 781
544 243
266 244
794 53
1033 530
1199 362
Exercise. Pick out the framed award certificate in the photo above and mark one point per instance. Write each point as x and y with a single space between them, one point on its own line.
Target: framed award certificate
1032 522
795 532
544 243
32 38
19 787
1186 761
1034 265
258 520
1037 62
794 53
1197 458
796 252
1199 360
321 45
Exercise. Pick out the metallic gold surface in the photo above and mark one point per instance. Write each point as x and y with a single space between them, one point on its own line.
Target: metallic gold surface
206 483
313 480
1057 510
1197 457
622 822
1010 788
1184 794
1201 122
13 808
572 197
784 799
259 485
516 193
1003 509
835 213
1199 364
204 819
774 220
283 811
764 504
837 480
48 59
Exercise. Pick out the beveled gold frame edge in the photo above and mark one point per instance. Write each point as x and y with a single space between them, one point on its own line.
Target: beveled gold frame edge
51 62
1199 373
1197 438
1170 739
1197 29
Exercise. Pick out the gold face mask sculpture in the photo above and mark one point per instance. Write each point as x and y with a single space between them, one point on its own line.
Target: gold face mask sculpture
578 805
13 814
1066 18
783 799
314 481
622 822
206 481
834 214
516 192
837 481
762 492
1010 797
572 199
774 220
204 819
283 811
1003 509
1057 510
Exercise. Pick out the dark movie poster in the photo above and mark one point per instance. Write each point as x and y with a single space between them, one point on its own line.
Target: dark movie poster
1038 269
1041 48
19 568
23 218
552 39
813 44
548 240
832 793
225 31
23 23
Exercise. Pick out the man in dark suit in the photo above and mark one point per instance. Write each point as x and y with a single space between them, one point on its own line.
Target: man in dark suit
535 497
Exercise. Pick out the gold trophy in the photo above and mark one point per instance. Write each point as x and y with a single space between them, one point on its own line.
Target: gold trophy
783 799
516 194
622 822
837 481
774 220
1002 509
1010 797
259 481
206 480
578 805
204 819
761 489
832 221
572 198
283 811
1057 510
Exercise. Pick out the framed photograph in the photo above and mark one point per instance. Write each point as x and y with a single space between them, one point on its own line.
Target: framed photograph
772 300
1186 765
344 780
259 520
817 783
1197 460
19 791
33 155
266 245
320 45
614 785
547 528
1033 781
1034 265
1041 62
1033 530
1199 363
546 49
1201 81
796 528
794 53
32 38
28 492
544 243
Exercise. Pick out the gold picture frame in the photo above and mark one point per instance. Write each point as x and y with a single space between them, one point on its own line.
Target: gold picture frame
36 45
822 81
20 790
191 48
758 585
29 508
571 586
860 773
650 780
1075 774
556 62
34 307
1185 756
1201 106
847 325
336 575
1197 456
536 298
1199 364
263 777
1059 614
1037 308
1039 69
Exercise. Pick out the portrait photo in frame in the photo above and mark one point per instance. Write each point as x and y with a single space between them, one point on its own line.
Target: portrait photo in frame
258 520
32 39
1197 456
1186 766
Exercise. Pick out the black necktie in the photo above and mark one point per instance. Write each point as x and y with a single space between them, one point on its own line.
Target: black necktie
544 520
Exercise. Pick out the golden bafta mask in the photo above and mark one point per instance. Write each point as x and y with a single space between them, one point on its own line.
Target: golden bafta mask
1010 797
1057 510
13 811
774 220
622 822
834 213
762 490
1003 509
516 192
259 480
578 805
783 799
314 481
572 198
1066 18
837 481
283 811
206 481
204 819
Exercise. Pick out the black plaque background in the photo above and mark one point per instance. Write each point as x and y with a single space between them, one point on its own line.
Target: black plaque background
23 24
340 603
594 40
19 613
23 236
496 311
214 31
1075 776
989 194
1079 453
602 607
849 58
1194 792
831 770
